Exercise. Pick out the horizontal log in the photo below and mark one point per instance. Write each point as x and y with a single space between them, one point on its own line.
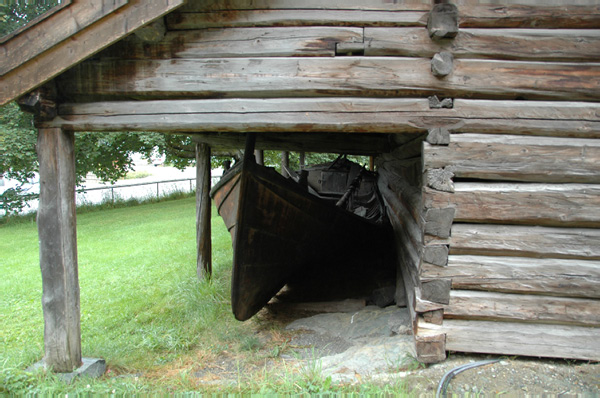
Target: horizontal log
356 144
298 17
558 205
531 16
405 114
515 158
238 42
513 338
524 241
510 44
324 76
219 5
551 277
469 304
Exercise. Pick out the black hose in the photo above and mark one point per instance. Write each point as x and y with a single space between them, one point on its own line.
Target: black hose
443 386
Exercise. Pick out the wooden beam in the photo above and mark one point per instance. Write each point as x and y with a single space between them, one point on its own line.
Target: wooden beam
492 306
530 16
203 212
355 143
324 76
551 277
238 42
58 250
509 44
515 158
219 5
298 17
67 53
555 205
514 338
52 30
524 241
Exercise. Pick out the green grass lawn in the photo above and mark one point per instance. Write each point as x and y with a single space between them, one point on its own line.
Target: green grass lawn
142 310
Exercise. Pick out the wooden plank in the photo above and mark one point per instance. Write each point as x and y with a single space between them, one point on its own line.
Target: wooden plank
514 158
298 17
52 30
513 338
523 241
203 212
67 53
531 16
573 119
510 44
468 304
383 5
238 42
58 250
355 143
552 277
558 205
323 76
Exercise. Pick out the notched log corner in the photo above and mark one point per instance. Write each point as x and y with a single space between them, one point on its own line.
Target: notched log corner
442 64
435 103
431 349
436 290
443 21
40 103
440 179
438 136
436 255
438 222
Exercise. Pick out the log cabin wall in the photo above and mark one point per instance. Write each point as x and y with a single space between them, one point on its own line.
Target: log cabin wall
492 185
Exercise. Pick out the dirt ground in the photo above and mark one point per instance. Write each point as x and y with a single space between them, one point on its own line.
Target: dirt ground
320 337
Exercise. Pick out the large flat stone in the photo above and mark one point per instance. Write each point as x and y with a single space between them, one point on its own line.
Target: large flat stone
91 367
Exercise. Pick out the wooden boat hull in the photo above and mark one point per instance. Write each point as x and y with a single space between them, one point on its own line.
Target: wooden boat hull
277 228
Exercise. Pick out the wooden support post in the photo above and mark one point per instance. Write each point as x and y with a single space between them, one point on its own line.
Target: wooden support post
203 211
302 160
285 163
58 250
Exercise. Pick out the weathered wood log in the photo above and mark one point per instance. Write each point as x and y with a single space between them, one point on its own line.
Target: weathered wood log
153 32
298 17
576 119
509 44
551 277
324 76
239 42
408 195
559 205
436 290
517 158
531 16
438 136
21 47
285 163
443 21
219 5
436 255
469 304
67 53
58 250
438 221
513 338
355 143
203 212
440 179
523 241
431 348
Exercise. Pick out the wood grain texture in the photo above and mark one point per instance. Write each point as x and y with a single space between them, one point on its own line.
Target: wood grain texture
320 76
551 277
298 17
510 44
203 212
81 45
558 205
524 241
238 43
58 250
382 5
530 16
50 31
515 158
513 338
468 304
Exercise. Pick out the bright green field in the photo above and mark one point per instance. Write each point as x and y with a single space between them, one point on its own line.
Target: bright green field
144 311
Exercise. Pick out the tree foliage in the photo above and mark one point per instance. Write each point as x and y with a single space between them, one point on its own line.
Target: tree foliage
14 14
